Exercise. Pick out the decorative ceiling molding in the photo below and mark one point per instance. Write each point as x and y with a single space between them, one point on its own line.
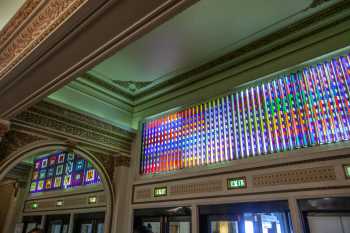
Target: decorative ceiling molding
28 8
131 86
52 121
4 127
150 91
316 3
46 21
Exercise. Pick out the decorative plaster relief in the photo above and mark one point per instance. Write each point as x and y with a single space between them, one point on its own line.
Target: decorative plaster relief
50 17
299 176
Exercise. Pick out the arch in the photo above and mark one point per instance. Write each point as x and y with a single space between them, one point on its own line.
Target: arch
42 146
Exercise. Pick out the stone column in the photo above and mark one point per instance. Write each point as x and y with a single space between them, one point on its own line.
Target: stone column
4 128
122 182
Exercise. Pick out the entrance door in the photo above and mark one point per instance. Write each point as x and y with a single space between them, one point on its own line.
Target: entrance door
325 215
263 217
223 224
89 223
57 224
31 222
167 220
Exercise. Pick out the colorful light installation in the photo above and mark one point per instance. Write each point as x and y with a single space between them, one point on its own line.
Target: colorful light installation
302 109
62 170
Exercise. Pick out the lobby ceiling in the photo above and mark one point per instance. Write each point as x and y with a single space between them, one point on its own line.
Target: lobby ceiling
202 33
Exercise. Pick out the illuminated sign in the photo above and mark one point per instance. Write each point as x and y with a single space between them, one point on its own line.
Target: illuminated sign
92 200
236 183
35 205
59 203
160 192
347 171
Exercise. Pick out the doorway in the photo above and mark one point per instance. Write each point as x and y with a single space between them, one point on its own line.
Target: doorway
167 220
89 223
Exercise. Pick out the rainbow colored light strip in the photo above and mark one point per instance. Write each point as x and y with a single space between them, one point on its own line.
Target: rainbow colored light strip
306 108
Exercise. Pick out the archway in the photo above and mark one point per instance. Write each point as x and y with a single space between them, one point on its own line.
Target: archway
44 146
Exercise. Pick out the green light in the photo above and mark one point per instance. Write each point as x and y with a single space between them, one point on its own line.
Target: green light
35 205
236 183
160 192
347 171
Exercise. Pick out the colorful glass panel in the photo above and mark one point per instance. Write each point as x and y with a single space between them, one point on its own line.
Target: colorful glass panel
306 108
61 171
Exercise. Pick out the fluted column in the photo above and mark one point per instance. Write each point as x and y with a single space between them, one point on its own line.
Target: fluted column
4 128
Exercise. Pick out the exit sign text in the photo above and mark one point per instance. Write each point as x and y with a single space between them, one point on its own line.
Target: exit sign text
160 192
236 183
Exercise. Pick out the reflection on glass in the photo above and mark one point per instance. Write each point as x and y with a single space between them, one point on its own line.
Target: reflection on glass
179 227
100 228
275 222
30 227
56 228
248 227
224 227
86 228
153 227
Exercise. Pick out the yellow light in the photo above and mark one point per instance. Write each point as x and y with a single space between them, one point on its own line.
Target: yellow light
92 200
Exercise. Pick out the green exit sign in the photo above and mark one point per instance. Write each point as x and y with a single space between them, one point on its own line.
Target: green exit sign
347 171
160 192
236 183
35 205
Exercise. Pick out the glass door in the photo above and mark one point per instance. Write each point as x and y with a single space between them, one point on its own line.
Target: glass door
89 223
264 217
223 224
179 224
57 224
31 222
163 220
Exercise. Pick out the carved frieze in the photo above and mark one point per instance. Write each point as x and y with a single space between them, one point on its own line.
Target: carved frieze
15 140
58 121
47 20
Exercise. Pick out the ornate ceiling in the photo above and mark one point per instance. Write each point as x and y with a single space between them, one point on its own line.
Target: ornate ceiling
155 53
170 57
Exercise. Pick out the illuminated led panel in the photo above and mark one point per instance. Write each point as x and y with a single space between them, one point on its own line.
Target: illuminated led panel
62 170
305 108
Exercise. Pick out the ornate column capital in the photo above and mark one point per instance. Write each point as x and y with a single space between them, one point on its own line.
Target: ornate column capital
4 127
122 161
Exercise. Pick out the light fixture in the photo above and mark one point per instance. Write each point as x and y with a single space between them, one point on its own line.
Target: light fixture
59 203
35 205
92 200
160 191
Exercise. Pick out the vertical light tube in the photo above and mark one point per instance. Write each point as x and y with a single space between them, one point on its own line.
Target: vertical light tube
251 143
335 115
235 140
241 149
261 120
286 111
280 125
207 132
229 126
267 118
292 110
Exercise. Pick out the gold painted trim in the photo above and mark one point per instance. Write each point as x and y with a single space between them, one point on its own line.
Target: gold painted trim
45 22
27 9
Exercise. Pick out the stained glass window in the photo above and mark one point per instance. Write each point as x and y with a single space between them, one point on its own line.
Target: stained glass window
302 109
62 170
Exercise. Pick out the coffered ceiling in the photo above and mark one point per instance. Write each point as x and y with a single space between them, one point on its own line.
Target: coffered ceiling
155 63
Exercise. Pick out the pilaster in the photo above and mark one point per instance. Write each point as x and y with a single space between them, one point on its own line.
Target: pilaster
4 128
